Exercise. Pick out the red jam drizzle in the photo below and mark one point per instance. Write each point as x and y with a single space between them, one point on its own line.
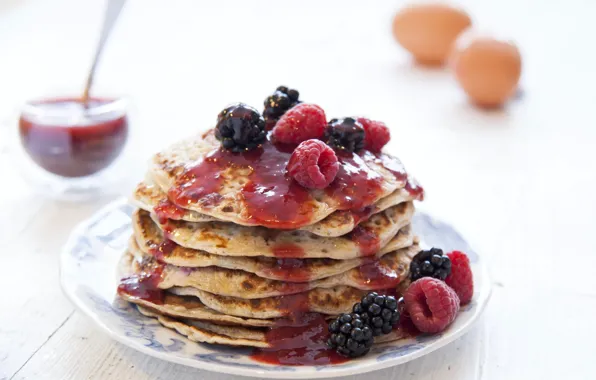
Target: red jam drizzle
367 240
375 275
356 185
405 327
393 165
167 210
163 249
413 187
287 250
144 285
289 269
272 198
362 215
300 344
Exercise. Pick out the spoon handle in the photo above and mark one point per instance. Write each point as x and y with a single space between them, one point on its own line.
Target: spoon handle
113 9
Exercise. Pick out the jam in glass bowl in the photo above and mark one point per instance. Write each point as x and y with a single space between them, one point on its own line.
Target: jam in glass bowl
74 143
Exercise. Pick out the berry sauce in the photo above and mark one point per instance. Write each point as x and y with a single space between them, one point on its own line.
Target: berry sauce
271 197
167 210
392 164
367 240
362 214
288 250
302 344
70 140
289 269
356 185
375 275
144 285
165 248
413 187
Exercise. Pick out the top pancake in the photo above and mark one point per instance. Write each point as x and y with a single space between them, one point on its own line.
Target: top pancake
253 188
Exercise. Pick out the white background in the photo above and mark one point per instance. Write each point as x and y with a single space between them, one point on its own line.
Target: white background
519 182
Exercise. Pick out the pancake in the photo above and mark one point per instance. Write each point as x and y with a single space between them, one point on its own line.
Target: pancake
149 239
218 183
332 301
192 308
185 307
204 332
234 336
148 196
233 240
387 272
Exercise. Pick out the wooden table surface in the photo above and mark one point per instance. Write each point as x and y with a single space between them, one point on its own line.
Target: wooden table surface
519 182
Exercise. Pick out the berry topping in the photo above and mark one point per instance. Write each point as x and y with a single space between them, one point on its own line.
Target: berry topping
240 128
461 279
432 304
279 102
350 336
430 263
345 134
376 134
313 164
380 312
303 122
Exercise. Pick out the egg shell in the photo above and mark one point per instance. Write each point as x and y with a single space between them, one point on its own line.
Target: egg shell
429 30
487 69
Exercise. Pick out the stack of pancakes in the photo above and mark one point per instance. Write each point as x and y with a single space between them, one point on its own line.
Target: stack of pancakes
226 246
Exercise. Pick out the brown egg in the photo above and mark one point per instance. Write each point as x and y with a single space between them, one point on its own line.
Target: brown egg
428 30
488 69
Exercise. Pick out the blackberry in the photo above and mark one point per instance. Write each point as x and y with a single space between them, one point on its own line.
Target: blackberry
379 312
430 263
350 336
345 134
240 128
279 102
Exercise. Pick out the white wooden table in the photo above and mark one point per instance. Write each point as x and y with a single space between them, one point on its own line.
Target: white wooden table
519 183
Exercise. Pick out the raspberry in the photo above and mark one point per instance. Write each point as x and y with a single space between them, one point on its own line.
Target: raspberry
313 164
377 134
300 123
432 304
461 279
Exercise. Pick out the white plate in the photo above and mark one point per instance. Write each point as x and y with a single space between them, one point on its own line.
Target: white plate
88 276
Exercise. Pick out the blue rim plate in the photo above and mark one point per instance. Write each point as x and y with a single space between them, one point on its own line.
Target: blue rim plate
88 277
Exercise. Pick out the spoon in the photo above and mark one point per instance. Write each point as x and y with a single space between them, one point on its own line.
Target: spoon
113 9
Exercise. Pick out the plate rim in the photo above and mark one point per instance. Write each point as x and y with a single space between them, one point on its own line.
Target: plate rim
252 372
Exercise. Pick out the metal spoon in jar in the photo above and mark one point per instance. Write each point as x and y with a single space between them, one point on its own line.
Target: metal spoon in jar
113 9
